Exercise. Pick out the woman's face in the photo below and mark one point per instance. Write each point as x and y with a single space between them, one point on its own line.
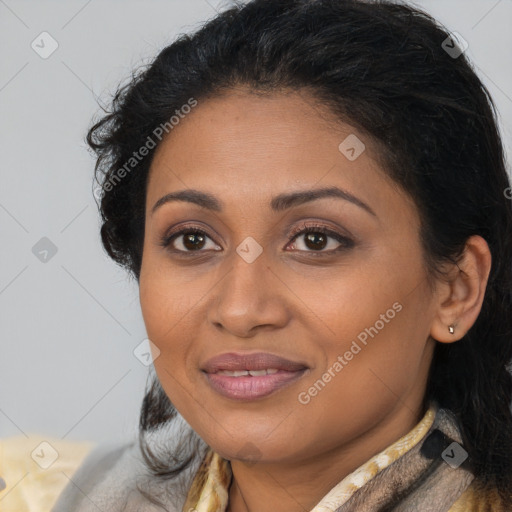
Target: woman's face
350 309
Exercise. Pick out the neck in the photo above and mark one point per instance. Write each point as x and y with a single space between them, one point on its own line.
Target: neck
298 486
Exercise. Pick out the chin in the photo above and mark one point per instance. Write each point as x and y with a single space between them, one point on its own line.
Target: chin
254 450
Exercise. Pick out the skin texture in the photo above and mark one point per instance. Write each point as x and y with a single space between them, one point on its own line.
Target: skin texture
245 149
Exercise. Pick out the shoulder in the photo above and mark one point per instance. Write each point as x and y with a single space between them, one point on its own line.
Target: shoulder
35 470
103 464
117 479
478 498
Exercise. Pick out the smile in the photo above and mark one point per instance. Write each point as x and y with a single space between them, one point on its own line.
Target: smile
251 376
242 373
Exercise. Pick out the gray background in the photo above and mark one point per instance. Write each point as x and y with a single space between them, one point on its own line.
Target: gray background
69 326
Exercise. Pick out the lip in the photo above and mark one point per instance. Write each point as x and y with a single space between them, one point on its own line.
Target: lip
251 387
257 361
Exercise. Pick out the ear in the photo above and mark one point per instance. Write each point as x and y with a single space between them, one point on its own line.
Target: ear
460 297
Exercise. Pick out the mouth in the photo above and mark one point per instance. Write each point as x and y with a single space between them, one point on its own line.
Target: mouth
251 376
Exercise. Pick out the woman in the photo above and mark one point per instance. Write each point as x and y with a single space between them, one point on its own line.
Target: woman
312 196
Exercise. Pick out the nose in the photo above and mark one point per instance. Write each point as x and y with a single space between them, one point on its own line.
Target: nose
249 299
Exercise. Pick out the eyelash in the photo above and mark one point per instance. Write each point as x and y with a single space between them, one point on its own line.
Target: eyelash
304 229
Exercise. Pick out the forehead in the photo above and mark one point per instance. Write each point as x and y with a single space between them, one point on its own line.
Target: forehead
247 147
242 124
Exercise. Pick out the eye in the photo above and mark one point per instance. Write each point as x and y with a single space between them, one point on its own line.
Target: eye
316 239
190 240
194 239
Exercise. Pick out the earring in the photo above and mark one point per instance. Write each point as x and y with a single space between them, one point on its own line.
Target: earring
451 329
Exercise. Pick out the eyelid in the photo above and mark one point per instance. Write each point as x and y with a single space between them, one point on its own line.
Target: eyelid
313 224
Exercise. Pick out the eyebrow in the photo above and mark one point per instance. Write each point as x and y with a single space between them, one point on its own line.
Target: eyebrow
277 204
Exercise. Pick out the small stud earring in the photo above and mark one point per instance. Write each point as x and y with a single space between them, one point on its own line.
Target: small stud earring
451 329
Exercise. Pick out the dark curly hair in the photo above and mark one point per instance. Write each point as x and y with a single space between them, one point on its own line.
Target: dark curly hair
382 67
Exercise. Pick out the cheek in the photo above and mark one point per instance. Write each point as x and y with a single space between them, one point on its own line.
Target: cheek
165 321
372 379
169 309
154 305
347 308
378 323
164 302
